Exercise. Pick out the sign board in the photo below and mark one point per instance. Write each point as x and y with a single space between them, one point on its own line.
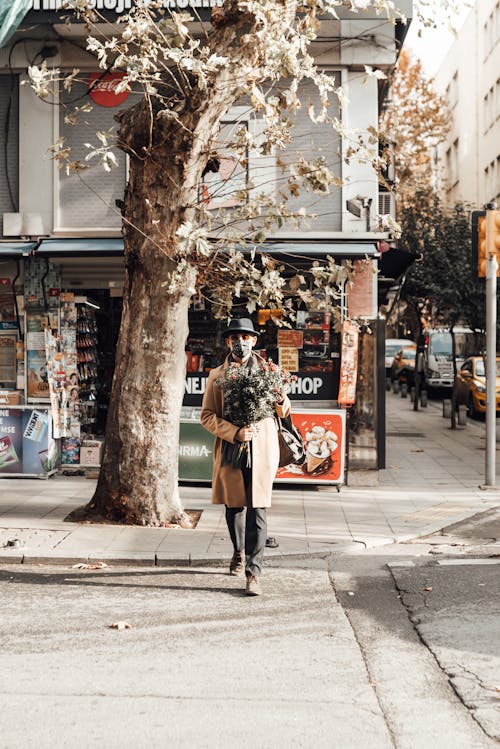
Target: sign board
102 89
123 6
196 447
324 438
27 447
290 338
289 358
308 386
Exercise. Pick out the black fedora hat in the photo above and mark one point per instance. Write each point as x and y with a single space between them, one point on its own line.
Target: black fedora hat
240 325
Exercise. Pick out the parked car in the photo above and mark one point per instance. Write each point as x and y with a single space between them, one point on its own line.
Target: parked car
403 364
470 386
437 354
392 346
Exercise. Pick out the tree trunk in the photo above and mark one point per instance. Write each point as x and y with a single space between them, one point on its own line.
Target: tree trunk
138 481
139 473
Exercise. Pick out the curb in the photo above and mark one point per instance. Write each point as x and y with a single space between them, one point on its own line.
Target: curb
161 560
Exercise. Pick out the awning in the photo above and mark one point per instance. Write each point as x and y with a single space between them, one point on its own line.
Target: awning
82 246
112 246
16 249
338 249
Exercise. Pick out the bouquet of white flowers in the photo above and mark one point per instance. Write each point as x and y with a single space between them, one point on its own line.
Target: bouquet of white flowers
250 395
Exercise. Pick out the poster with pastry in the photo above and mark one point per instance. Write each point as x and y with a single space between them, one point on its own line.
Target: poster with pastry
323 434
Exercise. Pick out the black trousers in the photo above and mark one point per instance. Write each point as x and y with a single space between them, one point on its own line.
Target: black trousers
248 530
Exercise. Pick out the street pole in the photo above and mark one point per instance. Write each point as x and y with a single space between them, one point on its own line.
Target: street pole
491 367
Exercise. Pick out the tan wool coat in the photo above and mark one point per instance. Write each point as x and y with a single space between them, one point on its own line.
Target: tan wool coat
227 482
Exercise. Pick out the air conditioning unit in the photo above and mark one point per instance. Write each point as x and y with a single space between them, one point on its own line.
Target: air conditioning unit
22 225
12 224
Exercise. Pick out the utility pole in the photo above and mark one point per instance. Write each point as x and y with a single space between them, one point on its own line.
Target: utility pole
491 366
492 248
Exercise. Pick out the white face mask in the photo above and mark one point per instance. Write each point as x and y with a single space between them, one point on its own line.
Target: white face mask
241 349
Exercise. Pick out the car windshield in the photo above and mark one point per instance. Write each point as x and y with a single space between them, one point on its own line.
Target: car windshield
440 344
391 349
409 353
480 368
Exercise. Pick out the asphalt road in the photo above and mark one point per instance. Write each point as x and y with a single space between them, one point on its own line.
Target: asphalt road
328 657
201 666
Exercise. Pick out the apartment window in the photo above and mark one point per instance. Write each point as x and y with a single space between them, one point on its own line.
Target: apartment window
454 162
453 95
492 179
485 113
491 30
497 24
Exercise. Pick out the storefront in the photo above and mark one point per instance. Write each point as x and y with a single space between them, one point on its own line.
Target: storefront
60 311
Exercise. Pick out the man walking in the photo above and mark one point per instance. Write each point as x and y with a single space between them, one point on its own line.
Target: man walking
248 483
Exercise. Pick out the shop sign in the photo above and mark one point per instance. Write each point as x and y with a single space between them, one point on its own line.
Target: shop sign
289 358
122 6
307 386
102 89
290 338
323 433
27 447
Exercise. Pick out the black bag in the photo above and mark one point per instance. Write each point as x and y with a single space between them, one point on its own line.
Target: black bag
237 455
292 449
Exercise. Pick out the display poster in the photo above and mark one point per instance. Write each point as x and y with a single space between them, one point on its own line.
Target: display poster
348 363
27 447
7 306
290 338
323 433
8 350
289 359
313 319
62 370
36 365
37 385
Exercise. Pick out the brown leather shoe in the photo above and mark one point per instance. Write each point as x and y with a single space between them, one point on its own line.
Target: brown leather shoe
253 586
237 564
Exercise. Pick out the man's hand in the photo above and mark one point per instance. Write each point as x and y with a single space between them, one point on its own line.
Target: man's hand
244 434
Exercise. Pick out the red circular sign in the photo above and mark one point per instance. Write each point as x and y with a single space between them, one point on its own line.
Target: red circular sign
102 89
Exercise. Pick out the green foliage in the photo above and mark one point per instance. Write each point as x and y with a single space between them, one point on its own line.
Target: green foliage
444 284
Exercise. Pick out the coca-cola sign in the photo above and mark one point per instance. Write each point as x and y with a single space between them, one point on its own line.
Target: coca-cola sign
102 89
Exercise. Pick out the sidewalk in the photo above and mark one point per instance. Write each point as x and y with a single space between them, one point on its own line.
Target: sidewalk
431 481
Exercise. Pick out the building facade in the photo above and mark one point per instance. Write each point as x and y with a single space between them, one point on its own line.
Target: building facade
71 223
468 162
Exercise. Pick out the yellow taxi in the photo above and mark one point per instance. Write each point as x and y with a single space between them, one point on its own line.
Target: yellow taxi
470 385
403 364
